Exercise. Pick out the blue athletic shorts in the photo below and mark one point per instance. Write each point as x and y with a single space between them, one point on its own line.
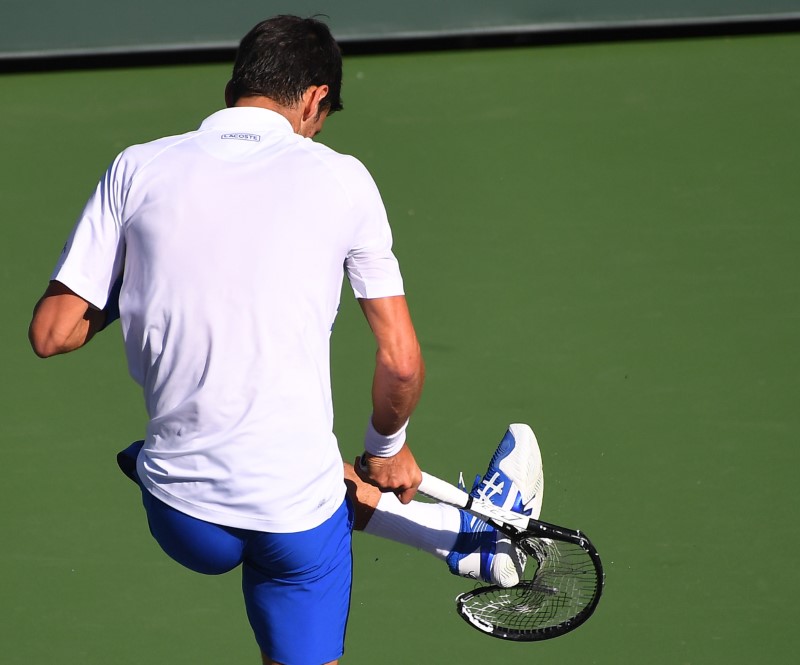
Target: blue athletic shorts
296 585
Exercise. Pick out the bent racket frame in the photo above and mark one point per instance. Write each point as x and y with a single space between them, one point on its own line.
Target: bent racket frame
561 593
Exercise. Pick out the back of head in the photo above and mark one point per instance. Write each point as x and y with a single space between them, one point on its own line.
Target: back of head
282 57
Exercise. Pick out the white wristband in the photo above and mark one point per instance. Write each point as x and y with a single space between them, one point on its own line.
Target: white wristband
384 446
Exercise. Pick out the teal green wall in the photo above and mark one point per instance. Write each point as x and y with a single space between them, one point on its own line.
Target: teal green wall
38 27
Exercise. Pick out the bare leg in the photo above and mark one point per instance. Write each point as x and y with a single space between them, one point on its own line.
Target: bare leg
430 527
364 497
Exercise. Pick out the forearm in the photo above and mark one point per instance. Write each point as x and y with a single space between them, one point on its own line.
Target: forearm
399 368
388 462
396 389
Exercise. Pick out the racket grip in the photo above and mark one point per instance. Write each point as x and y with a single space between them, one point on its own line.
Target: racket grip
443 491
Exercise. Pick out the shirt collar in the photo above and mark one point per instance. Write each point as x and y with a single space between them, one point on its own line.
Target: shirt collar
247 118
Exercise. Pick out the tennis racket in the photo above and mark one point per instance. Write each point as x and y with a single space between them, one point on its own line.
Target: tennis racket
559 590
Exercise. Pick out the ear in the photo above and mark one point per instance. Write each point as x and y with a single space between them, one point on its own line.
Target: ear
312 98
229 100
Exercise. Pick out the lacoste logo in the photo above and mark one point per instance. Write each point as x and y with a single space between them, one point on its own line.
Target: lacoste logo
239 136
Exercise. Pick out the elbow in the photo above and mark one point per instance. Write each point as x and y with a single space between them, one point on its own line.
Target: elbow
44 345
43 349
413 372
407 368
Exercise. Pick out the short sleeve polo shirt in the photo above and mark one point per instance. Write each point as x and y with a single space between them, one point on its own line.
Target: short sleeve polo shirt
234 240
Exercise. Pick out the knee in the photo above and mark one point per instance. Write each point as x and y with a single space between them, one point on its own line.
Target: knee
200 546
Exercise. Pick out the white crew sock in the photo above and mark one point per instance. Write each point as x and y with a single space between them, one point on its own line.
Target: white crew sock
431 527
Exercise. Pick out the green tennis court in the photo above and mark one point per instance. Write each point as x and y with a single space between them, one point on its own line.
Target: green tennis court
600 240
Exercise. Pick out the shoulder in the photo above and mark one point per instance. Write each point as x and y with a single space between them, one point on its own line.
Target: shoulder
142 153
330 156
129 164
351 173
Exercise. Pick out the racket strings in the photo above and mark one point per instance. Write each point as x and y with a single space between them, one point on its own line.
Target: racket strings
562 585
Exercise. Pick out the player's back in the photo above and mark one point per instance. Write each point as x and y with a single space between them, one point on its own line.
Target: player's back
236 236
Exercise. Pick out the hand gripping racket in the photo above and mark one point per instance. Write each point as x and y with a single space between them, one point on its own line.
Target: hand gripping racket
561 585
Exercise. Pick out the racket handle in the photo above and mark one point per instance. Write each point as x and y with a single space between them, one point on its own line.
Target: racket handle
443 491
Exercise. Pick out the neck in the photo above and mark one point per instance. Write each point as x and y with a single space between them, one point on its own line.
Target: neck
292 114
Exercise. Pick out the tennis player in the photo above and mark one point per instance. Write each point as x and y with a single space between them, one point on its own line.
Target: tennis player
223 252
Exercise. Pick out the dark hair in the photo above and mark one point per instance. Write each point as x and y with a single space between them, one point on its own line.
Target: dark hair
282 57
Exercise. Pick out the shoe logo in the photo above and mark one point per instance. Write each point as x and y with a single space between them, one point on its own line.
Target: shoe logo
491 487
519 507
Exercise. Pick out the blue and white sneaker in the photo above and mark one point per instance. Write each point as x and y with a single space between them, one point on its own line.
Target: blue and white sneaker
515 481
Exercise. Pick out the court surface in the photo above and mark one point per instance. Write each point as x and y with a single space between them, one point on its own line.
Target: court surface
599 240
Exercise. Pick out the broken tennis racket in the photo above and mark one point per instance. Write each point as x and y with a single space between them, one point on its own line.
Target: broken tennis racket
561 586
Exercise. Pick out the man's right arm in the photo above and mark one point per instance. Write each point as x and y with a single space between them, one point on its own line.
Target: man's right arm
63 322
396 389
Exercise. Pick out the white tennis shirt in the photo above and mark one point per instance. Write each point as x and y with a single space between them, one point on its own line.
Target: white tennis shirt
234 240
